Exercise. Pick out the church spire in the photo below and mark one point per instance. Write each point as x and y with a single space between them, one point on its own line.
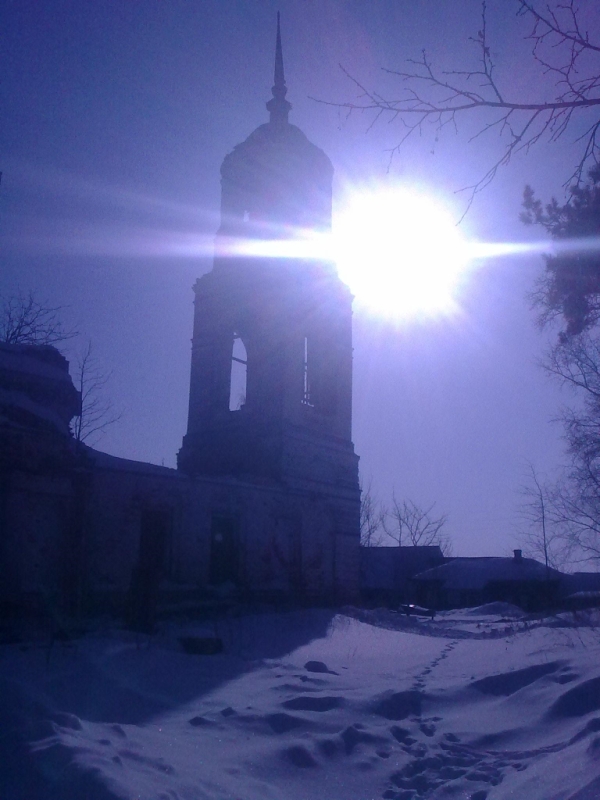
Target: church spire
278 106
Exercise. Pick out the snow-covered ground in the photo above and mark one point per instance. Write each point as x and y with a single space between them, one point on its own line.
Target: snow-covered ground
309 705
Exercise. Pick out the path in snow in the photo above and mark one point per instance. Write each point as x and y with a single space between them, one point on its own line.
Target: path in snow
472 706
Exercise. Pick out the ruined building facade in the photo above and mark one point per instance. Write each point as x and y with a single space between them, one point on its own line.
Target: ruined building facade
266 496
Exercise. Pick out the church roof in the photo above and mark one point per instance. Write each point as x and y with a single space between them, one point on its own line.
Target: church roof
277 136
270 141
276 177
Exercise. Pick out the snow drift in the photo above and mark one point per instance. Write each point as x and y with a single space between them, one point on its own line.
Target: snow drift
481 704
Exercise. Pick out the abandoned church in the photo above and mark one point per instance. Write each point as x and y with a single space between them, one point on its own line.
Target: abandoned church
265 499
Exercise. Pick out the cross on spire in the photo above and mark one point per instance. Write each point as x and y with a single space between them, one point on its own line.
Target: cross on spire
278 107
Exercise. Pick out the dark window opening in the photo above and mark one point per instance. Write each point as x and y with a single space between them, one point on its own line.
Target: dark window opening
239 375
155 553
223 550
154 564
306 393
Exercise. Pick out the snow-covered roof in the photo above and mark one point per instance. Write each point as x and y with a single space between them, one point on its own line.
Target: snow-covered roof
475 573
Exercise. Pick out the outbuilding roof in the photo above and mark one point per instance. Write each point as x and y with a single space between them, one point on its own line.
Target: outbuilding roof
476 573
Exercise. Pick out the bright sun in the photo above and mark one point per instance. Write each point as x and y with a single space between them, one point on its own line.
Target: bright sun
400 252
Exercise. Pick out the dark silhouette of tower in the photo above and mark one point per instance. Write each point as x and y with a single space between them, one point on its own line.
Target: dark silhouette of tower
271 375
265 501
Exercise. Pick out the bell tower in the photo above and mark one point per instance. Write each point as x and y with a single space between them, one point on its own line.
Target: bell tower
271 374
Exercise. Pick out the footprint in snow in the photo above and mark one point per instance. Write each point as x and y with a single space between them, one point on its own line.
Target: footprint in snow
398 705
451 737
329 747
158 764
299 756
353 736
311 703
427 728
428 771
320 667
198 722
402 735
282 722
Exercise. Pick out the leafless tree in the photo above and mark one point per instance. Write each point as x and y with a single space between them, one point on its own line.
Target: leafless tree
562 51
25 319
97 411
372 517
544 534
577 507
409 525
575 361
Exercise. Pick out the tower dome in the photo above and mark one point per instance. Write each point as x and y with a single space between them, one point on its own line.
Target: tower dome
276 183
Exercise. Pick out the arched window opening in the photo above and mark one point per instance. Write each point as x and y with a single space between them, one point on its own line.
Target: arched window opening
306 394
239 370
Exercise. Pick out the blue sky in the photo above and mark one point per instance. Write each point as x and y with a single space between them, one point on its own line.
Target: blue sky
116 117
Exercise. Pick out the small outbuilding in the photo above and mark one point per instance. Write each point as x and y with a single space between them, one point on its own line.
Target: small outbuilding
467 582
385 572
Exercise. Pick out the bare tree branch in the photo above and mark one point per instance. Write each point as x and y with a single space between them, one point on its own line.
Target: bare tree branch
24 319
573 505
412 526
372 517
544 534
97 412
435 97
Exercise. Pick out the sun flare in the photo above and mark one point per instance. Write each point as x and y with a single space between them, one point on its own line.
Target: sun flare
400 252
